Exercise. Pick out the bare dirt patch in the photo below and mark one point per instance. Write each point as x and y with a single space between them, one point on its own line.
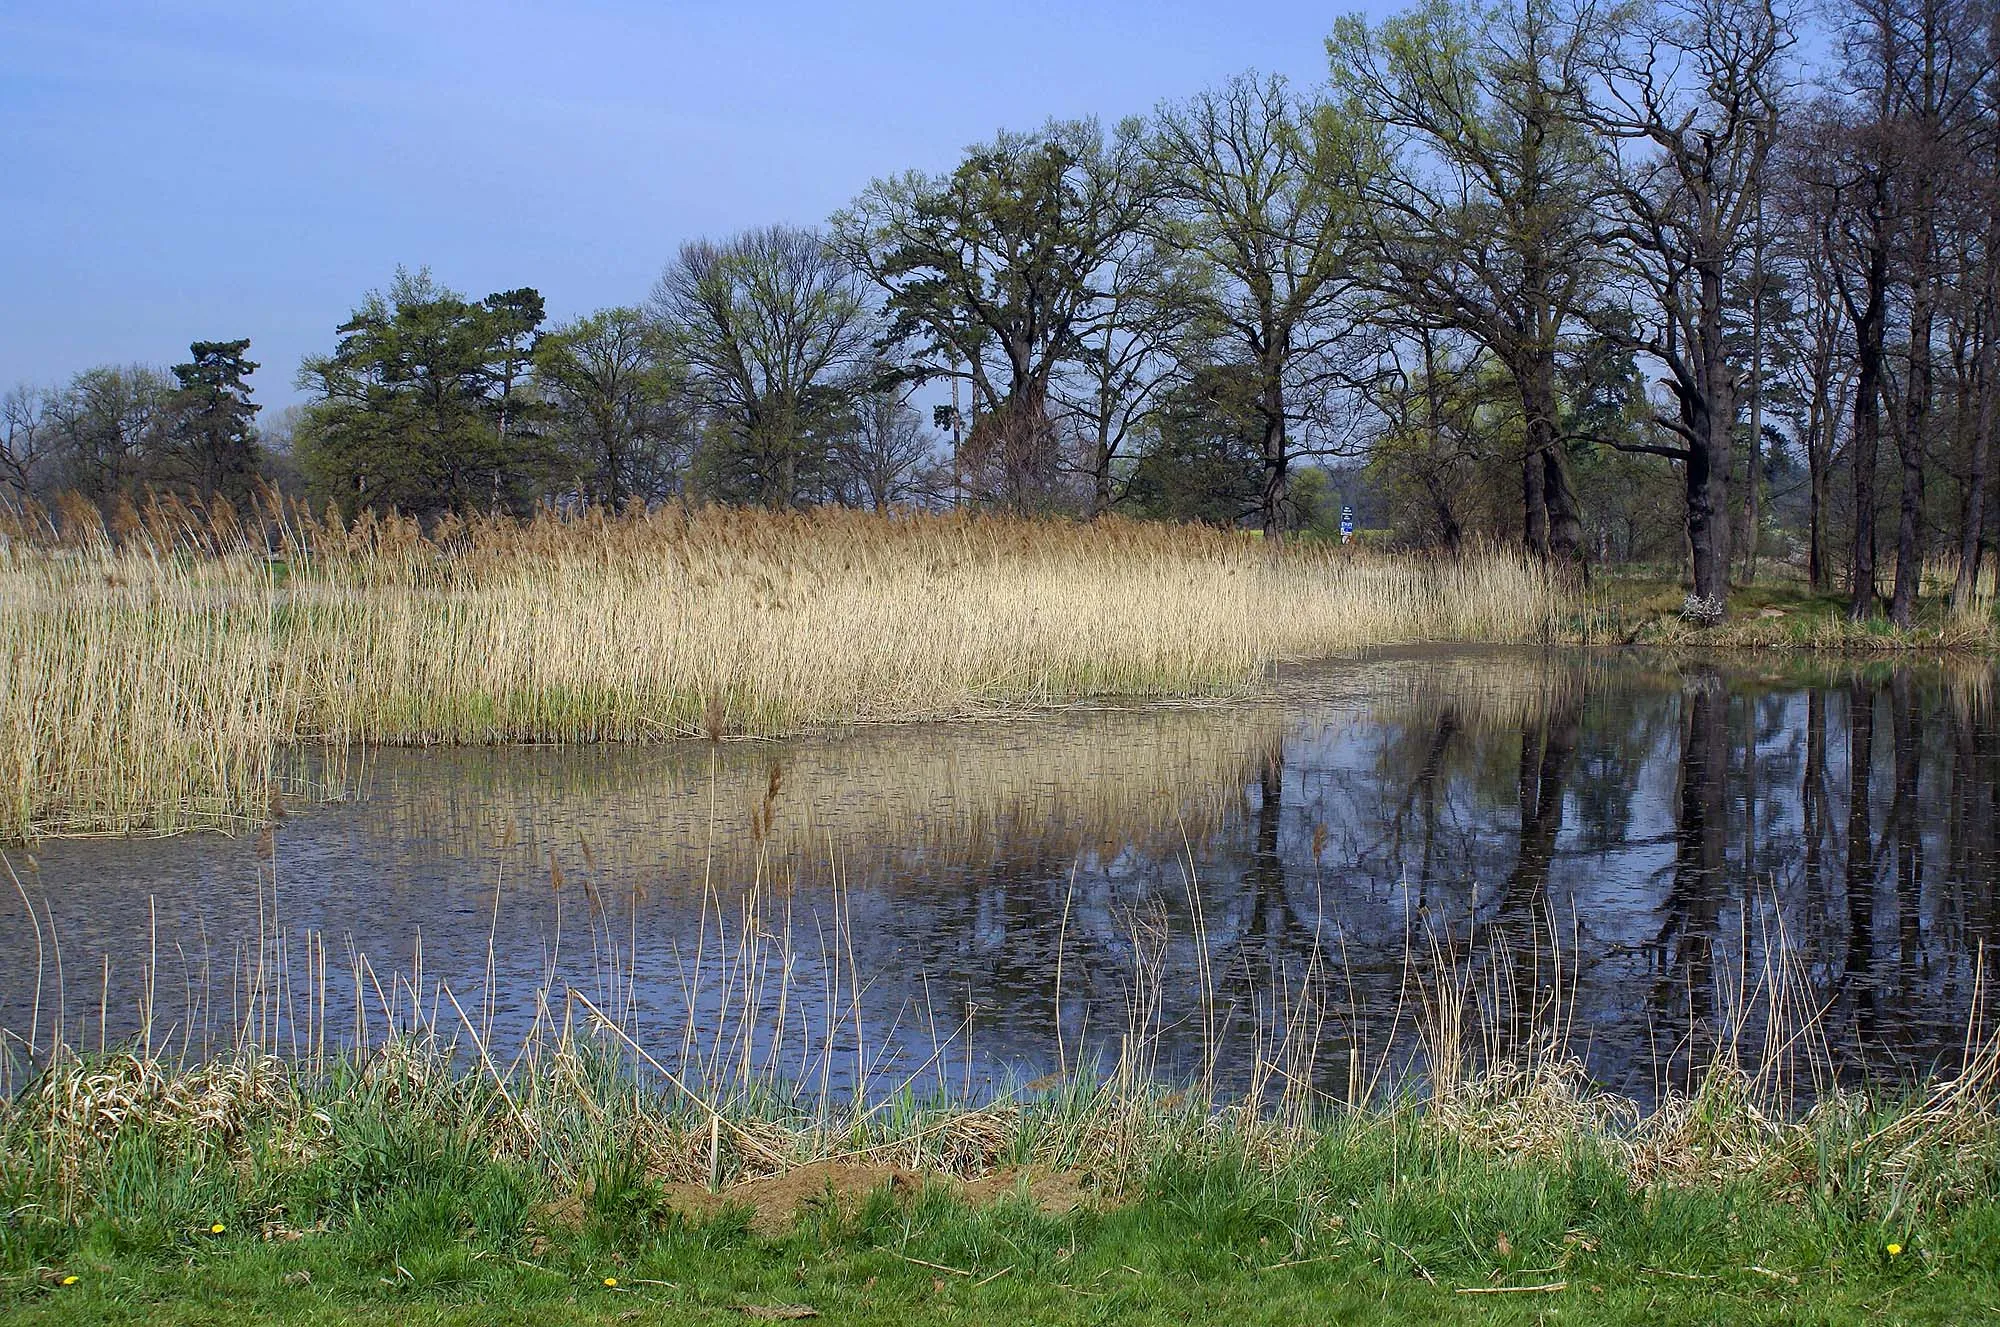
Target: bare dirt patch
777 1202
1056 1192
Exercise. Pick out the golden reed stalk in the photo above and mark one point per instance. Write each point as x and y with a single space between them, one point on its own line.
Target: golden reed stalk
169 672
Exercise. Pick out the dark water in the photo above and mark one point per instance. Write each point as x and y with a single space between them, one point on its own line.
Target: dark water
1638 854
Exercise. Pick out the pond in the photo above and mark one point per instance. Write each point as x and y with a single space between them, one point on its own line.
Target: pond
1637 859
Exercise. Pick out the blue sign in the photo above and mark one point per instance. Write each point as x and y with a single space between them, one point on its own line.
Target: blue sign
1346 524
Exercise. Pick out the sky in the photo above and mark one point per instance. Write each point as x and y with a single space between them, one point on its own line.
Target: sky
180 171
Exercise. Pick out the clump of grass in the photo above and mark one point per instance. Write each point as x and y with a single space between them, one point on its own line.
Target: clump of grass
1477 1063
174 673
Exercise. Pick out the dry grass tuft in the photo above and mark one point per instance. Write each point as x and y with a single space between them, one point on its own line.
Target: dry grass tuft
1529 1108
78 1109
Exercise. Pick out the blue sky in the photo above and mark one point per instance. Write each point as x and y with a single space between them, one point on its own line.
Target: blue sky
208 170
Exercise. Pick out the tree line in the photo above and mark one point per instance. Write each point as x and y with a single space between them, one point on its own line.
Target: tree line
1628 281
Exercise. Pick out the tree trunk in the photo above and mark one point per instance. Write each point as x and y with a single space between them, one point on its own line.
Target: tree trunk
1100 478
1534 509
1277 459
1911 450
1909 534
1753 515
1552 523
1565 519
1563 540
1972 521
1868 337
1707 527
1819 431
1708 411
1709 418
1816 523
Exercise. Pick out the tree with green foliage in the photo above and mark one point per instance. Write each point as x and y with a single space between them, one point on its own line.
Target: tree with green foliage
1484 220
212 440
420 407
513 321
999 273
775 335
1202 456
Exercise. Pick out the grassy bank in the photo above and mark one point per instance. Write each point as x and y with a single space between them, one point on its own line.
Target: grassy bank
410 1189
168 678
1641 607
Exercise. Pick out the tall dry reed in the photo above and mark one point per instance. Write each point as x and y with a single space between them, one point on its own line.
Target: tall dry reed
167 675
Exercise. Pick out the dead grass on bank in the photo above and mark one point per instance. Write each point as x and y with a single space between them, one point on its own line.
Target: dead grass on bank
169 675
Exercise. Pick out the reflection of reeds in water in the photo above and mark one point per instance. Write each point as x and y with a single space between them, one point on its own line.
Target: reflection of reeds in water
154 682
1055 788
1484 694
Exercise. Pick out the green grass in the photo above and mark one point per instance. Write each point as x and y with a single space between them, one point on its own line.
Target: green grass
410 1196
1201 1243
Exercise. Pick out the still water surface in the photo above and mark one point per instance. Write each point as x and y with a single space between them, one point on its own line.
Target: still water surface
1618 842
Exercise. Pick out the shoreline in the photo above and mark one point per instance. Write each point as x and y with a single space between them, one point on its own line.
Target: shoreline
573 1187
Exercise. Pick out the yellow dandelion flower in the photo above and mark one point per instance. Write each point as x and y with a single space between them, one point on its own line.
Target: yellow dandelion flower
71 1280
611 1281
217 1228
1895 1250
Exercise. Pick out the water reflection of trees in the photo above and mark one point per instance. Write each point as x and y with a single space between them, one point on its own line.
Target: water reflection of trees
1680 831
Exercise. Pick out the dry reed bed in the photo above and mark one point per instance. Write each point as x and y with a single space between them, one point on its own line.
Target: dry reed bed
166 678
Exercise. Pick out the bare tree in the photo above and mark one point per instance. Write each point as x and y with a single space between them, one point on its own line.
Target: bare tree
1980 280
1814 332
27 440
1934 58
1125 358
1261 185
109 422
1693 94
1846 162
888 456
1442 425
